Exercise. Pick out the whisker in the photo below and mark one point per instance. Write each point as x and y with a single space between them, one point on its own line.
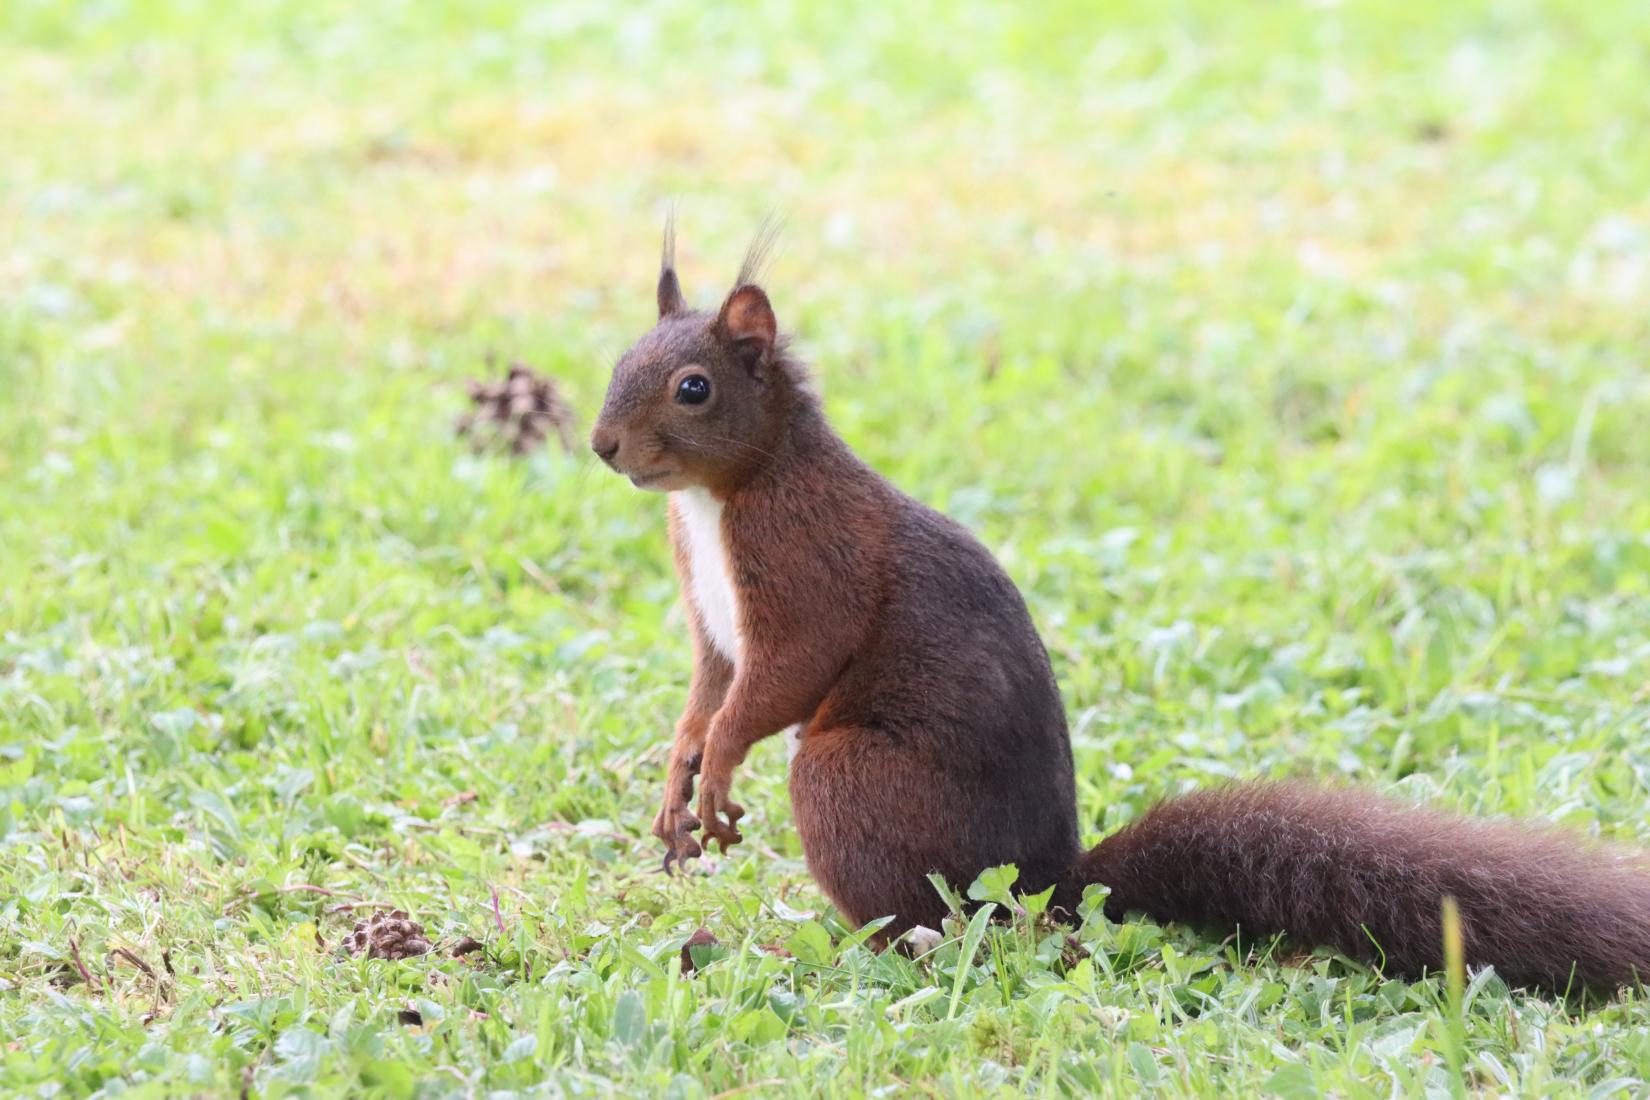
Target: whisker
673 437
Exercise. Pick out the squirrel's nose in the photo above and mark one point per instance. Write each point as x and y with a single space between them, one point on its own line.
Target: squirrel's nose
605 444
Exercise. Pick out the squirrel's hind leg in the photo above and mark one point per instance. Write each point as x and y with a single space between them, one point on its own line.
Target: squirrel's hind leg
873 825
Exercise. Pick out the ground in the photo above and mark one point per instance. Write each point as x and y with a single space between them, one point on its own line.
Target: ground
1292 358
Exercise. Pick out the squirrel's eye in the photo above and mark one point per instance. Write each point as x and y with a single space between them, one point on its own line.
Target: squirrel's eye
693 390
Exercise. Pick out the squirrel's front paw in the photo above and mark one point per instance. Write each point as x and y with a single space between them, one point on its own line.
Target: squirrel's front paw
719 812
675 825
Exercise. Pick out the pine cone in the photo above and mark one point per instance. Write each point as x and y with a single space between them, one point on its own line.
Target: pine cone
517 412
387 936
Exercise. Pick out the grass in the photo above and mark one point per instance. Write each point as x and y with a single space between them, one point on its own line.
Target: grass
1292 359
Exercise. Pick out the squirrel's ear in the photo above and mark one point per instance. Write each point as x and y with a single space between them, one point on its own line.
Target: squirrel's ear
670 294
746 323
670 289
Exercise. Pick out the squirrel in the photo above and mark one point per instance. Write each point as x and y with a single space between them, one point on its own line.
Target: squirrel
932 734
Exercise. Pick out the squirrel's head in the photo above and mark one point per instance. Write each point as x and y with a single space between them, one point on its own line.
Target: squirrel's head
701 400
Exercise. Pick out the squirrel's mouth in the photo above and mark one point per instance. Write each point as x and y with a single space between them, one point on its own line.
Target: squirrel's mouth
642 481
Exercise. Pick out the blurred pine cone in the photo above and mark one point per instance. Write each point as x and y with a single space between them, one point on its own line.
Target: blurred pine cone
387 936
517 412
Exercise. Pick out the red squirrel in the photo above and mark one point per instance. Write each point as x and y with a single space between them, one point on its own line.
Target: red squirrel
932 735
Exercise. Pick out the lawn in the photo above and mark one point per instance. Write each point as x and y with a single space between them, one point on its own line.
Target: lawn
1291 357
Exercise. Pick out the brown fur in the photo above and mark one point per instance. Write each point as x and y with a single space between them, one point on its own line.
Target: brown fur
933 735
1368 875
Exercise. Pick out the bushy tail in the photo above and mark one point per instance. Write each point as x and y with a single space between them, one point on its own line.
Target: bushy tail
1368 875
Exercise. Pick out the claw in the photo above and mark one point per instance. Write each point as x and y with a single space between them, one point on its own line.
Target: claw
721 827
718 812
676 830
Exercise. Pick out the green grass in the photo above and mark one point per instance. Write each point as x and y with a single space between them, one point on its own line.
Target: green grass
1291 358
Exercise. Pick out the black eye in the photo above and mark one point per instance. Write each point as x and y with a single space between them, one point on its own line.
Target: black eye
693 390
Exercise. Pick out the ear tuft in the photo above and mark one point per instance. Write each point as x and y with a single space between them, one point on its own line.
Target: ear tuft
670 288
747 322
760 251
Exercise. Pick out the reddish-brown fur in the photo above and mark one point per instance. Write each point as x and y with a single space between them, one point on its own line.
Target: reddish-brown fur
1368 875
933 736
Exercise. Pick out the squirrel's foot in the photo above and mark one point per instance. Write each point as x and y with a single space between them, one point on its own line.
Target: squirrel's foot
719 813
675 825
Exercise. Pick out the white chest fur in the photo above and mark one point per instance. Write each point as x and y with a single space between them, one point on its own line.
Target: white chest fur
710 573
710 581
